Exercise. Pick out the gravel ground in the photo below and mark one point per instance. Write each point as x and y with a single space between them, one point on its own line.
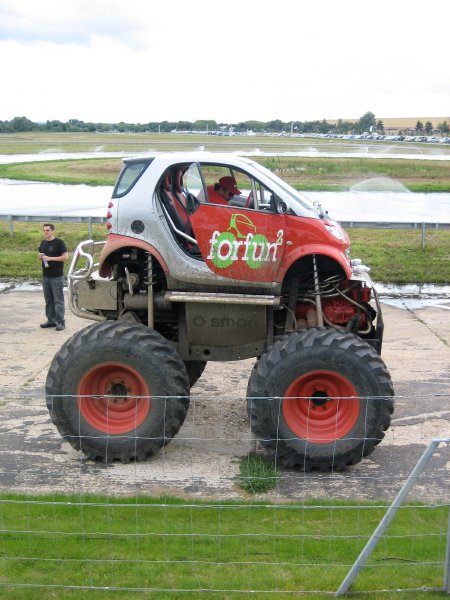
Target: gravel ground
203 460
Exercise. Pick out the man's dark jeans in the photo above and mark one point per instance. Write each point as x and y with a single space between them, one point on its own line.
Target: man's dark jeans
54 299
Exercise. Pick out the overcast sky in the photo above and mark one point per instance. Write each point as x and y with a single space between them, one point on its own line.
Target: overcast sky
152 60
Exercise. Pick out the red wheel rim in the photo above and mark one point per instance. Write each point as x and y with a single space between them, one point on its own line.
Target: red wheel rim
115 405
321 407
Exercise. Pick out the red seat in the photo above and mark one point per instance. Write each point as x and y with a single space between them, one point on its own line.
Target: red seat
179 191
175 202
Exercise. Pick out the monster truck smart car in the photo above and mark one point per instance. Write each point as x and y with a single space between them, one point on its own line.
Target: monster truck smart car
181 281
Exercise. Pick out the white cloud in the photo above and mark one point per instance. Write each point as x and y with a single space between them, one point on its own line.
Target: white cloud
64 21
134 61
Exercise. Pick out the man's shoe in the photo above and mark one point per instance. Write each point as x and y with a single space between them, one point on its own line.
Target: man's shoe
60 327
47 324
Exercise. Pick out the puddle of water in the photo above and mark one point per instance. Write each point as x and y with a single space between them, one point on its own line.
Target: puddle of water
56 199
414 296
317 152
413 290
415 303
20 286
348 151
385 206
54 154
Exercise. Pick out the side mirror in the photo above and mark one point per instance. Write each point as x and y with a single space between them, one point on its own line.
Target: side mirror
282 207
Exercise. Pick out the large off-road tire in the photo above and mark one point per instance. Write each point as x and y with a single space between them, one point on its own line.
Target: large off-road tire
320 399
117 391
194 370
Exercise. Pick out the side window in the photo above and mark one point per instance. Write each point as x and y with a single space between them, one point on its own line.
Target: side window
128 177
192 182
226 186
223 185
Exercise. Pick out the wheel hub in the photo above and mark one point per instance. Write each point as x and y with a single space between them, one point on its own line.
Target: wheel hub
118 390
114 398
319 399
321 406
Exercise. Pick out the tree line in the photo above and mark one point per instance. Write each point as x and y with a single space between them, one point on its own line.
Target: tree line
428 127
366 123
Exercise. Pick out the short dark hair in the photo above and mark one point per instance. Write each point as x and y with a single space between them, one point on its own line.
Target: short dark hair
52 227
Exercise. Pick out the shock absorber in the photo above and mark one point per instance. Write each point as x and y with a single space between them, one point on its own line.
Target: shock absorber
149 284
317 293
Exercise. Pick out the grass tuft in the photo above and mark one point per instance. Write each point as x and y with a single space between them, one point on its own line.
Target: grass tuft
257 474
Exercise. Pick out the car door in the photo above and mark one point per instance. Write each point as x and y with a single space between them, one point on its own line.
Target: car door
243 239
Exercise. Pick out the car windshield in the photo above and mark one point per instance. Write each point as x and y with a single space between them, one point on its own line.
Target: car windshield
294 194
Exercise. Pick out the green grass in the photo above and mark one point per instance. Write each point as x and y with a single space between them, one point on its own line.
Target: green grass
18 254
94 171
257 474
337 174
168 543
395 256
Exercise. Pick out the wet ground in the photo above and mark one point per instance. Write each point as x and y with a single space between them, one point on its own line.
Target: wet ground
203 459
391 203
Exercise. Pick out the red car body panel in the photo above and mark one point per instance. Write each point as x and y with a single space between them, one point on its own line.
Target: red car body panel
249 245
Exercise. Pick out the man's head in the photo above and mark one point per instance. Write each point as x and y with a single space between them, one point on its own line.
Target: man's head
48 230
227 188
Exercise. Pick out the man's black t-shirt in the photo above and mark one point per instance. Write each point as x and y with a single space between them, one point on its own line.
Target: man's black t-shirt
55 247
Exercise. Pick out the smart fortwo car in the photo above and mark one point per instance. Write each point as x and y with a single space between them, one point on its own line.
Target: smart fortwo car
184 278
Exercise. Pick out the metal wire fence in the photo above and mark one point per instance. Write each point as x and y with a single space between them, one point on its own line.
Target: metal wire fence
213 513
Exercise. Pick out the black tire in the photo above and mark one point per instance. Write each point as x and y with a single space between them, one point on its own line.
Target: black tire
293 399
96 388
194 370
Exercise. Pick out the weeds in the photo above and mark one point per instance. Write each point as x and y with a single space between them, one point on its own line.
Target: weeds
257 473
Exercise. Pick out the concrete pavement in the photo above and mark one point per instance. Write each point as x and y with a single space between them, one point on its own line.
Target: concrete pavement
203 459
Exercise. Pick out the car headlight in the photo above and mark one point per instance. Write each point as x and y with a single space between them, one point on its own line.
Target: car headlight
336 231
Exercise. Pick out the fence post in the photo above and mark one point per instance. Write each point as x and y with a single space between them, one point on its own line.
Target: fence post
423 236
390 514
11 225
447 558
90 228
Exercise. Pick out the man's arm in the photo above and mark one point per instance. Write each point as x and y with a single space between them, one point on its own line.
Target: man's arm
62 258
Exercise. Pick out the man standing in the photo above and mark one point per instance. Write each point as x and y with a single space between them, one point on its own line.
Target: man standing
53 253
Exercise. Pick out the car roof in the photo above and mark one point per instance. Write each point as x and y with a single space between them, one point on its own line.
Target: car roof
169 158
